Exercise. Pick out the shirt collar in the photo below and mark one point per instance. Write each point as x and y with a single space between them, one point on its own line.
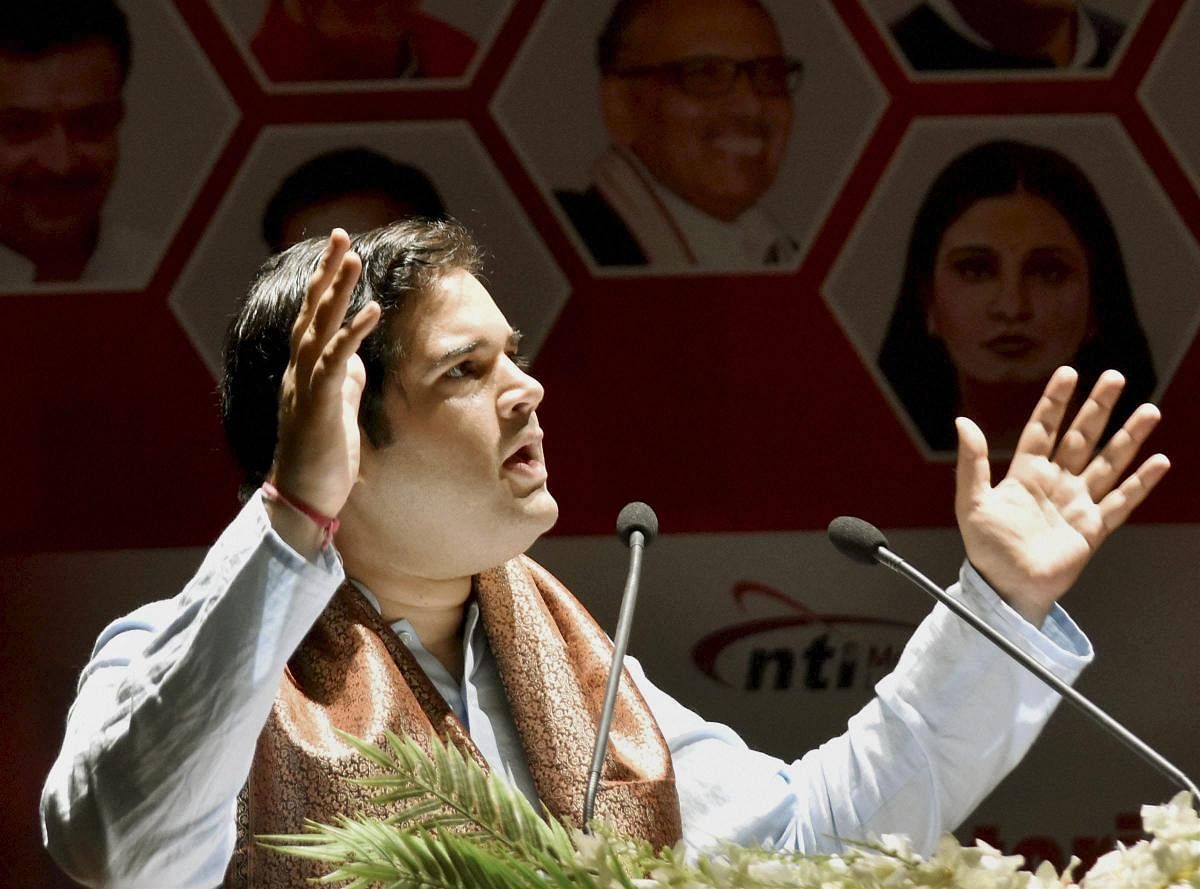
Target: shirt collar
741 243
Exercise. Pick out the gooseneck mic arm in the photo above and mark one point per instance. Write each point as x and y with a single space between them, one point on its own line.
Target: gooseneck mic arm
637 526
865 543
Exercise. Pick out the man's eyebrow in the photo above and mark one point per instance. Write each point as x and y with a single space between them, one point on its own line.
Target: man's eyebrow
514 340
457 352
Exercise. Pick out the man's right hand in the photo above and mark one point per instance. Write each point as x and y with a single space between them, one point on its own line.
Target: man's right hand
316 459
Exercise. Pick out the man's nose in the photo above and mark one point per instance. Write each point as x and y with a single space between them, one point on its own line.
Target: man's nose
56 151
742 95
522 394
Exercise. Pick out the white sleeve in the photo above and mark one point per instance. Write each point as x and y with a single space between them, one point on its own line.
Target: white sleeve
161 735
944 728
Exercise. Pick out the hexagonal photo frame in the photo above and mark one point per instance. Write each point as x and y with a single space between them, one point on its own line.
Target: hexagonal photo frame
442 158
437 42
1138 313
621 218
1168 92
1001 39
163 151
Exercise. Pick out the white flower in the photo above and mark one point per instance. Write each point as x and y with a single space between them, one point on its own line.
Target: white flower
771 871
1175 821
1047 877
901 846
1130 867
1170 861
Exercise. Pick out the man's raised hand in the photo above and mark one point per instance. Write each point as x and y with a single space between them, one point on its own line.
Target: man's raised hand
316 458
1031 535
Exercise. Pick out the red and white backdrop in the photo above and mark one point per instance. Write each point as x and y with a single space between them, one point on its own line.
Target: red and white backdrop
746 408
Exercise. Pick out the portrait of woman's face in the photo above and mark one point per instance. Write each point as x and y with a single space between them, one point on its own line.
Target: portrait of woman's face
1011 290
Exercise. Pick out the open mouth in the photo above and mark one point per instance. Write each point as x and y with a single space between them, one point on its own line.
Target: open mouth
525 467
522 457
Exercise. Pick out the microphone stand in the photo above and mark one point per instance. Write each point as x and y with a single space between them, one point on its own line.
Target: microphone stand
637 544
889 559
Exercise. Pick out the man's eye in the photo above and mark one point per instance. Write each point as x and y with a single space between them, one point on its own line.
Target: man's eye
520 359
96 123
462 370
19 125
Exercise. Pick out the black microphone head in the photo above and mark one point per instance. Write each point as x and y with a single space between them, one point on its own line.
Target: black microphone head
637 516
857 539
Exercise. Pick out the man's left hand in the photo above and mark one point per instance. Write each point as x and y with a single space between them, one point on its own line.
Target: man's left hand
1031 535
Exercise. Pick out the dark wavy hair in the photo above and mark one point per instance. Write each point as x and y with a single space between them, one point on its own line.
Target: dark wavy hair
343 172
33 29
916 363
612 42
399 261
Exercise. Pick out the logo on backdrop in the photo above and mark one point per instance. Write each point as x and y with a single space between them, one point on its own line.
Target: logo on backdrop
798 648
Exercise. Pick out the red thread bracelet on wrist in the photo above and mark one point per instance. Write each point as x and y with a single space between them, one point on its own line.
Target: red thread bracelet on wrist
328 524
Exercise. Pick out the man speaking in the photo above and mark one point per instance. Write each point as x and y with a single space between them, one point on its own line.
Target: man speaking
375 580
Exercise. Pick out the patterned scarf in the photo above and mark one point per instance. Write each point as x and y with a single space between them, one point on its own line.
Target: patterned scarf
674 235
353 674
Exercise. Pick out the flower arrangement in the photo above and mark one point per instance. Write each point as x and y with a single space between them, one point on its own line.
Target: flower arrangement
458 826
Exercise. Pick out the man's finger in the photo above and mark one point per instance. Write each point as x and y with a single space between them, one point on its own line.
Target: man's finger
330 313
1081 439
320 281
1038 436
973 471
329 370
347 340
331 307
1116 507
1104 470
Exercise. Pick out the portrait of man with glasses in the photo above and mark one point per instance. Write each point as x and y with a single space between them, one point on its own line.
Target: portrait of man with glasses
63 67
696 97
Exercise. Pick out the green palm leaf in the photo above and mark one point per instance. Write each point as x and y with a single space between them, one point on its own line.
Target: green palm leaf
453 825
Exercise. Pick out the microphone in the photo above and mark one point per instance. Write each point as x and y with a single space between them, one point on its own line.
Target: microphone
859 540
865 543
637 526
637 517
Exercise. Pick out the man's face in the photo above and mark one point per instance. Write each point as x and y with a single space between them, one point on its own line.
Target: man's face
720 153
59 119
462 485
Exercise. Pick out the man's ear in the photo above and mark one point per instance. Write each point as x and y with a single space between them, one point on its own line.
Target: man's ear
617 108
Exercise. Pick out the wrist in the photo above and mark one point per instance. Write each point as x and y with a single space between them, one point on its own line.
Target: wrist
1034 613
296 530
326 525
1032 609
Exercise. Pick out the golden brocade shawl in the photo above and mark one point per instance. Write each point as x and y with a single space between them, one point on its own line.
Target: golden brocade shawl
352 673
